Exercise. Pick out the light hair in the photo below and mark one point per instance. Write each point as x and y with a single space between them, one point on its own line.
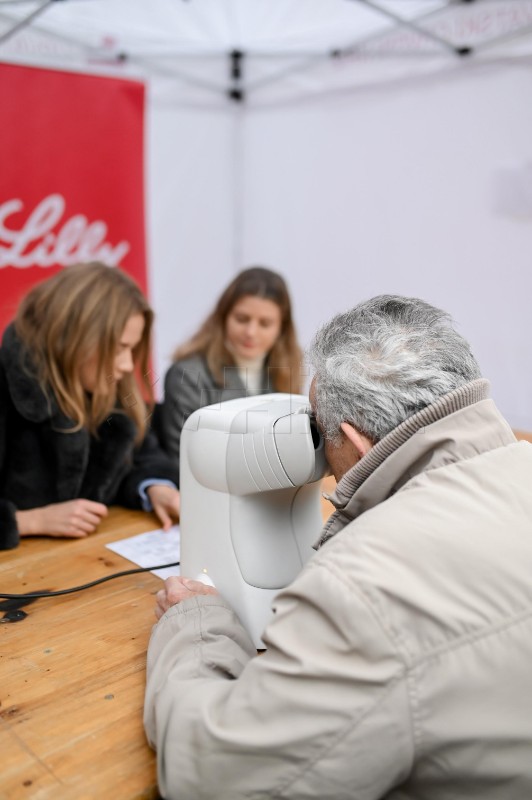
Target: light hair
284 359
78 313
383 361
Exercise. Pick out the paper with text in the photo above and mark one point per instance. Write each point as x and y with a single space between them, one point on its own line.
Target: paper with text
151 548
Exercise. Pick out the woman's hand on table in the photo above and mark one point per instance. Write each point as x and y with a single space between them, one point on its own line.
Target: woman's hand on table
71 519
166 503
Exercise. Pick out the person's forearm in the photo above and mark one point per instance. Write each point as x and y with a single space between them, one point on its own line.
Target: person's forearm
72 518
28 522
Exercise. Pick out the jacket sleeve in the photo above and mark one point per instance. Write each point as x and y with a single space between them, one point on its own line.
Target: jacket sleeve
149 461
185 390
9 535
323 713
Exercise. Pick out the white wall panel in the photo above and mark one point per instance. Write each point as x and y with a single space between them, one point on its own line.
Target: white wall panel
190 214
392 191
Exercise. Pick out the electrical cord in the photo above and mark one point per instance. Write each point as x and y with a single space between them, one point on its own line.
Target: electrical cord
34 595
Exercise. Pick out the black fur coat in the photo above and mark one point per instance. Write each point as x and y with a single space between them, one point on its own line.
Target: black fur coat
42 463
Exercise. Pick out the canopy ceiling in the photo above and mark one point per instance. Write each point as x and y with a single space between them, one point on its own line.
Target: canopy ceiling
266 50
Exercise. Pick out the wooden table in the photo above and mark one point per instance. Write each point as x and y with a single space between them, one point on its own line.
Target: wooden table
72 673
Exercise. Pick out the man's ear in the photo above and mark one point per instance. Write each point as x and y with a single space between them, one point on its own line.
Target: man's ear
360 442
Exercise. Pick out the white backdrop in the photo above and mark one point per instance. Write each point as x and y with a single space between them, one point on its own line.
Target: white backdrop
386 190
361 175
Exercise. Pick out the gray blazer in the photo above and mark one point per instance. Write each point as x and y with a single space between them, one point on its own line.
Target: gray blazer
189 385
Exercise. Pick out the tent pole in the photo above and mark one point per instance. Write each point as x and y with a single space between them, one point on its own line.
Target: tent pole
504 37
70 40
236 90
238 172
236 93
406 23
23 23
169 72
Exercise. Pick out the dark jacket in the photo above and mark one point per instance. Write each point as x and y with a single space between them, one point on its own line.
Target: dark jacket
189 385
42 463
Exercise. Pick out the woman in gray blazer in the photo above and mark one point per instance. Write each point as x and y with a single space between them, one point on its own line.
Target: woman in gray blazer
246 346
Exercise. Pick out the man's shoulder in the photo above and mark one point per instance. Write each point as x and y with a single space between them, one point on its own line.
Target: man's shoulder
428 559
451 495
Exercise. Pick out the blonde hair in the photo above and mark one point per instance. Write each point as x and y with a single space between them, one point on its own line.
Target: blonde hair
79 313
283 360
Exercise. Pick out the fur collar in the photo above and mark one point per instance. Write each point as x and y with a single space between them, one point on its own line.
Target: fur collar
36 406
27 396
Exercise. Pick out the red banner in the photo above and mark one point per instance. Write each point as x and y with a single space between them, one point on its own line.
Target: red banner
71 177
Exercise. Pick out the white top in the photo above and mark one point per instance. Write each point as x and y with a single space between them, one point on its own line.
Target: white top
250 371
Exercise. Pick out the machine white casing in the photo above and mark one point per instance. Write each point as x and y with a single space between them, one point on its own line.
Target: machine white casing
250 475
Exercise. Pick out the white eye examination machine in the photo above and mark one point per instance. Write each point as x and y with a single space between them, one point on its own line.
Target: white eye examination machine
250 474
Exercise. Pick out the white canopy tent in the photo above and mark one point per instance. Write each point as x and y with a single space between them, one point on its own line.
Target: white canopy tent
357 146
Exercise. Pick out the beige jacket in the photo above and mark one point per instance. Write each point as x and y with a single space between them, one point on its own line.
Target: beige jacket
399 662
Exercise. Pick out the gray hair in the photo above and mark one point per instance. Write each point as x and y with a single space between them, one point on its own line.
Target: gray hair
383 361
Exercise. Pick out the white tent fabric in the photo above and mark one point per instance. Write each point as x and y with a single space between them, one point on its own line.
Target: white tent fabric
282 48
353 153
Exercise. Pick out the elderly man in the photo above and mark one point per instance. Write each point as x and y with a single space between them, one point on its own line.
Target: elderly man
399 662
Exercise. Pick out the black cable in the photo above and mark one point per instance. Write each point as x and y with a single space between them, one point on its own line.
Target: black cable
86 585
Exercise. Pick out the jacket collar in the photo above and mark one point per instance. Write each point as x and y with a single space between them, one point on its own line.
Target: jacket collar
461 424
26 393
233 380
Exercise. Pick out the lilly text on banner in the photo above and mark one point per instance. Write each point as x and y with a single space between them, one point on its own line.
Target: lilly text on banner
71 177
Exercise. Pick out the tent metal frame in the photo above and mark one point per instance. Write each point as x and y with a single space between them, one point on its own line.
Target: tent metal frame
237 89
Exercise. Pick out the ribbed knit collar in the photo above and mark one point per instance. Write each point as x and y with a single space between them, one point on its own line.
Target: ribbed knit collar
351 486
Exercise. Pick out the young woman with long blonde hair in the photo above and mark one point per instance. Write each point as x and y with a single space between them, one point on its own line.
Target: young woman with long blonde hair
73 417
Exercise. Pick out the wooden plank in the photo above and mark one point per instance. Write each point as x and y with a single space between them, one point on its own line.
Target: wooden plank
73 672
23 775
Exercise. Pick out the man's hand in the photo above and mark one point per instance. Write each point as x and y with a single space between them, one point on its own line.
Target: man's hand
71 519
177 589
166 503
